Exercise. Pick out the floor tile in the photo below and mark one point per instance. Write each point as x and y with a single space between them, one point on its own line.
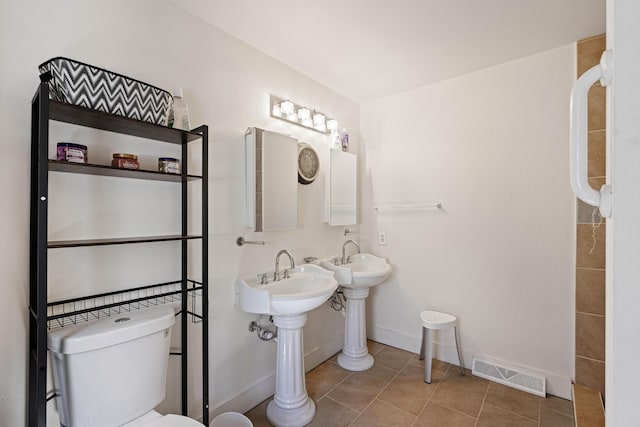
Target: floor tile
436 365
435 415
550 418
512 400
590 373
323 378
408 391
360 388
374 347
258 415
490 416
588 406
462 393
558 404
381 414
392 358
331 413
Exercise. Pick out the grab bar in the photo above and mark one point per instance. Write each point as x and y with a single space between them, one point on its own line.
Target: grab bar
578 137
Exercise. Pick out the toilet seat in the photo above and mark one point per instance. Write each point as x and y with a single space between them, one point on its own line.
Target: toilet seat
154 419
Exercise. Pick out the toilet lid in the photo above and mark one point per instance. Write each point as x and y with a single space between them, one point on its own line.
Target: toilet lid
174 421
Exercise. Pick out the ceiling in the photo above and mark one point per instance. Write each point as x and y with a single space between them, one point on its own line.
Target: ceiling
368 49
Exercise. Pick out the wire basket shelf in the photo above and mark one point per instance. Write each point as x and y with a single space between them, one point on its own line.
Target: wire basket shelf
93 307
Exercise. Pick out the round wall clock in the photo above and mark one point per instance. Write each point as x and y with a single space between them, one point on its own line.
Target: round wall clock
308 164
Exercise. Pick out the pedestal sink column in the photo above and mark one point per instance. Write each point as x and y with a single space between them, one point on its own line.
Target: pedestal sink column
291 405
355 354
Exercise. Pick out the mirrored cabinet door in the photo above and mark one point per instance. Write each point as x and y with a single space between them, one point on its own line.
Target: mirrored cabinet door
272 180
343 188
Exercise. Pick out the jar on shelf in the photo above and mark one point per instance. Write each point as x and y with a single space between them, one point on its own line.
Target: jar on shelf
70 152
168 165
125 161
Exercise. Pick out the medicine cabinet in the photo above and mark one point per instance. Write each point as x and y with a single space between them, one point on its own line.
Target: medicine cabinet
271 180
343 188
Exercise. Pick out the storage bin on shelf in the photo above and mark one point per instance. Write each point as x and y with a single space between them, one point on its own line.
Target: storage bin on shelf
82 84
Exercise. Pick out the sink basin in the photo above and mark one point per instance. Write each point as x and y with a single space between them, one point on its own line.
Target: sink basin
307 287
362 271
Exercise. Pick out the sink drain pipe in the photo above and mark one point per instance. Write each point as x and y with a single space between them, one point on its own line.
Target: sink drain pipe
338 301
264 328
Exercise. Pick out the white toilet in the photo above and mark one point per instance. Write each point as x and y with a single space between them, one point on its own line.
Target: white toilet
113 371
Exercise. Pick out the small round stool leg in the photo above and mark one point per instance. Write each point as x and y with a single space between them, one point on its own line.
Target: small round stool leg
428 354
455 333
422 344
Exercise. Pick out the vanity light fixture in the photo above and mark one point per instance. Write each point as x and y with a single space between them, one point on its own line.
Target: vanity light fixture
291 112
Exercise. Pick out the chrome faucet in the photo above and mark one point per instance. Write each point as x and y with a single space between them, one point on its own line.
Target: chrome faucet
346 260
276 274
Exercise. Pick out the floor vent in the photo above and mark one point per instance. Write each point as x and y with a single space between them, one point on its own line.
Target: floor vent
531 383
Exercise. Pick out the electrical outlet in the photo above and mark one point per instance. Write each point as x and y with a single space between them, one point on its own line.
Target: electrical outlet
382 238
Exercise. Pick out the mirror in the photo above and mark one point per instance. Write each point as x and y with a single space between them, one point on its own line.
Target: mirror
343 188
272 180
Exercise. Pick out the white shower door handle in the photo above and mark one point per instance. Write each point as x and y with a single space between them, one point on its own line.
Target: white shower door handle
579 147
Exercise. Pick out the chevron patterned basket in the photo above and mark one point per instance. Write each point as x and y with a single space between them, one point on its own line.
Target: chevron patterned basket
82 84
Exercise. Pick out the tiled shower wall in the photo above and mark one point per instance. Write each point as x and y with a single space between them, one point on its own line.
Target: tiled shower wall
590 237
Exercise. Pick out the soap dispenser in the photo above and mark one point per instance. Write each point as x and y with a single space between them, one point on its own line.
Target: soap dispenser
180 111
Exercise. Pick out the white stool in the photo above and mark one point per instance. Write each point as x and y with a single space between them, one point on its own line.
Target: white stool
435 320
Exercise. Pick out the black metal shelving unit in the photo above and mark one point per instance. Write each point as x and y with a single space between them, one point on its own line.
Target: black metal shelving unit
43 314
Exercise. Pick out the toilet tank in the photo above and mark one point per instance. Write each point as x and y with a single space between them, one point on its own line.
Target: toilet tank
109 371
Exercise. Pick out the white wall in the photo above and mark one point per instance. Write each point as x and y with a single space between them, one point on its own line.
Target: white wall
492 146
227 85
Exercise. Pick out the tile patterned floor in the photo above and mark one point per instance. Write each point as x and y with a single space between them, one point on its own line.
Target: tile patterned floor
393 393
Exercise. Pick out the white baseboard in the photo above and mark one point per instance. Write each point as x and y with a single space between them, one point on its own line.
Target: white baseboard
557 385
263 388
248 398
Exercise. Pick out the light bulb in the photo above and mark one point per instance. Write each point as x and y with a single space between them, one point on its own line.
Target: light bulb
276 110
286 107
318 119
304 113
321 127
332 125
307 122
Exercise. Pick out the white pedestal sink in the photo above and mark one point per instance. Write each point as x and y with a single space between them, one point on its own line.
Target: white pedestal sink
288 301
356 277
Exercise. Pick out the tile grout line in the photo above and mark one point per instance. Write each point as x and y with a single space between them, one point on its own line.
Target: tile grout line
539 411
335 386
591 268
345 405
431 397
590 358
512 413
555 410
360 412
482 406
589 314
444 405
381 391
